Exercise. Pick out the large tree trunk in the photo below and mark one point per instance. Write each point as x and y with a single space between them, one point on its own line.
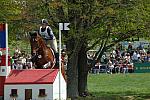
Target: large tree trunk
82 70
73 48
72 76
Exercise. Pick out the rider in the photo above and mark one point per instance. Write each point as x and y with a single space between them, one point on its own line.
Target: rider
47 34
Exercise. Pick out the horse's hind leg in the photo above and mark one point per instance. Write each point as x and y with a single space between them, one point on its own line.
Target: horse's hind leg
52 64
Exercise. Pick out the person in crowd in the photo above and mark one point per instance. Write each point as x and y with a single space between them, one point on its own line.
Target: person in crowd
125 66
127 57
19 65
130 47
120 65
110 66
116 65
135 57
104 58
28 62
139 56
47 34
114 53
148 54
97 67
112 56
64 58
14 64
118 54
14 60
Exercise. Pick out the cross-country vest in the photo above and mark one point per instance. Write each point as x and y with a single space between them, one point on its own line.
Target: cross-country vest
45 34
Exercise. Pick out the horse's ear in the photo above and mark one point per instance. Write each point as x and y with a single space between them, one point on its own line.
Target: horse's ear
30 33
33 33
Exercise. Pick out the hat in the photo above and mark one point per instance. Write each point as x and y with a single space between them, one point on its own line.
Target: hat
44 21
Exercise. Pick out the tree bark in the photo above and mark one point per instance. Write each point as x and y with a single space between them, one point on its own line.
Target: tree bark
82 71
72 68
72 76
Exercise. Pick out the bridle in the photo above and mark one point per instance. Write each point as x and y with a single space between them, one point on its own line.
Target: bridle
37 45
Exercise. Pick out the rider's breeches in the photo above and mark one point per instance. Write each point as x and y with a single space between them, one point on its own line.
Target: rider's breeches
53 44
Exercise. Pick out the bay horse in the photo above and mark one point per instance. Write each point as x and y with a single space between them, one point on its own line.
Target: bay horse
42 56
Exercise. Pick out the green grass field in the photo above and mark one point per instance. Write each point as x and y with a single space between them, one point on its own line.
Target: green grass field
135 86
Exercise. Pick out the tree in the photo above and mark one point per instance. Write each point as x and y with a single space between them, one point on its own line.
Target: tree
93 22
106 19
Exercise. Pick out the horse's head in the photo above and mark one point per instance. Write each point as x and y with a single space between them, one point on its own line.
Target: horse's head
35 42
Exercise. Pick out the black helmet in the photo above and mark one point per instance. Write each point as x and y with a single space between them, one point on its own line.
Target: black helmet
44 21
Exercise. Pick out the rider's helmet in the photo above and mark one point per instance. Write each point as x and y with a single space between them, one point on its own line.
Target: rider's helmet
44 21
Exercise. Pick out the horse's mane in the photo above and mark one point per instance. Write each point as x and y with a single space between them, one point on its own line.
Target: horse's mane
41 41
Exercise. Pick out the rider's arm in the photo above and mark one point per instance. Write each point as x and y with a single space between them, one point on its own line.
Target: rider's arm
39 33
50 33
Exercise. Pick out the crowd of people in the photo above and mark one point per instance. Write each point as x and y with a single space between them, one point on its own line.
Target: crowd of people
121 61
21 60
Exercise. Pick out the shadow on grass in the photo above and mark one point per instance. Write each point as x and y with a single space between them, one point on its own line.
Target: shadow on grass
115 98
123 96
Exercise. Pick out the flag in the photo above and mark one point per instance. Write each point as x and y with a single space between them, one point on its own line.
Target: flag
2 36
64 26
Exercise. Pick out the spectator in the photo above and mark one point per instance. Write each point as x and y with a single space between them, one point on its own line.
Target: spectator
97 67
135 57
104 58
129 47
120 65
125 66
110 66
139 56
127 57
28 62
19 65
116 66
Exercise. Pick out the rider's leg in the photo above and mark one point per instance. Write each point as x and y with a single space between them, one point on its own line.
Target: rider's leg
48 43
53 44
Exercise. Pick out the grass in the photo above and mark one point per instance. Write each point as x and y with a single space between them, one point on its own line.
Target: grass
117 86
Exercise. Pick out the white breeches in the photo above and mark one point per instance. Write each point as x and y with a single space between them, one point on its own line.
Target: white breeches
53 44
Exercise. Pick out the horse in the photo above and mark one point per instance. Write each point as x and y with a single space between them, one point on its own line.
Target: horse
42 56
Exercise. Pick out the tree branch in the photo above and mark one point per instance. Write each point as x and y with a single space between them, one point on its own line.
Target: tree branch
95 43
